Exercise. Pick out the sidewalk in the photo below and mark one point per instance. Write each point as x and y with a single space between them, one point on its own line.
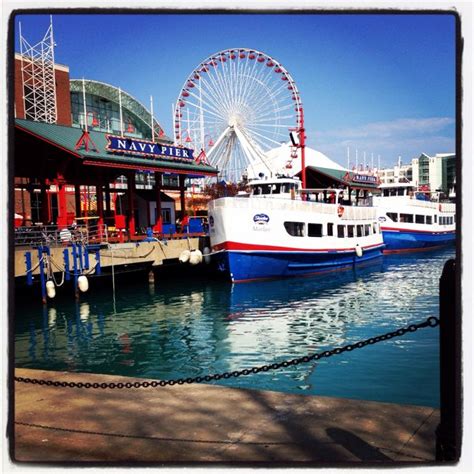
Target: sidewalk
210 424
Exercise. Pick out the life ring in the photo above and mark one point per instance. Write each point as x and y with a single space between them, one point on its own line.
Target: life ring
340 211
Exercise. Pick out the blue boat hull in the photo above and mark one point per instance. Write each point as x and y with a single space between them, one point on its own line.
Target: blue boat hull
406 241
255 265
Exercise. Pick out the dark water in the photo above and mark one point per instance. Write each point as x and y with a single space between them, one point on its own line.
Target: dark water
185 328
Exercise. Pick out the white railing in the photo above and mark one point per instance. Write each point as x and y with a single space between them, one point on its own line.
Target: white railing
399 200
350 212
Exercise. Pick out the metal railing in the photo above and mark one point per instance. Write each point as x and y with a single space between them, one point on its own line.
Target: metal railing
51 235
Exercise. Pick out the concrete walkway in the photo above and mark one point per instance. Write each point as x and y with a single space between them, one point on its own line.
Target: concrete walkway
210 424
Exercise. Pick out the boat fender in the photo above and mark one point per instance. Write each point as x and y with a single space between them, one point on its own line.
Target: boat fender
207 258
340 211
195 257
50 289
184 256
83 283
358 250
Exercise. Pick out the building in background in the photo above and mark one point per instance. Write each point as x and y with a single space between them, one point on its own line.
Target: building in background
432 174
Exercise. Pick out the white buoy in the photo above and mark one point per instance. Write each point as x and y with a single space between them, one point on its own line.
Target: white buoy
184 256
195 257
50 289
83 283
207 258
358 250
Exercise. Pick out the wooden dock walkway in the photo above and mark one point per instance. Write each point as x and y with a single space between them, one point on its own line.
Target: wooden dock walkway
210 424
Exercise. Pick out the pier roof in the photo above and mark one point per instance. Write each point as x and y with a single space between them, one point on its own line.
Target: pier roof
324 177
66 139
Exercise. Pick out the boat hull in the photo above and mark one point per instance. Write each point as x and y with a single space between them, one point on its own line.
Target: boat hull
246 265
399 241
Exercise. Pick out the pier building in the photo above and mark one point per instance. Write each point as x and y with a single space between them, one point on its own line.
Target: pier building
66 167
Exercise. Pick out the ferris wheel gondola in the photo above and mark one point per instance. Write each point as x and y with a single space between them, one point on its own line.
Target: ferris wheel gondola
236 105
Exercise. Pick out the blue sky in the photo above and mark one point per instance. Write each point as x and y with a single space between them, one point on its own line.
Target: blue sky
384 84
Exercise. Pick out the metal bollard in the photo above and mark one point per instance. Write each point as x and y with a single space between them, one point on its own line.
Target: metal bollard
448 432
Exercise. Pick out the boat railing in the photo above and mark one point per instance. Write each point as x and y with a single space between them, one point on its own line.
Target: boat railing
290 205
412 201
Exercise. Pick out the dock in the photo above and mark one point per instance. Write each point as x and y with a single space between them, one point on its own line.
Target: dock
198 423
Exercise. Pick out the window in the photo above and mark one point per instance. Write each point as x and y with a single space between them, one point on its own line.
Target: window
330 229
296 229
435 219
429 220
367 229
315 230
165 215
340 231
393 216
450 221
374 227
406 217
350 231
419 219
359 231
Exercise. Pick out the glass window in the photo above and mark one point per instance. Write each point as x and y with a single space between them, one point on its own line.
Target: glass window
429 220
374 227
367 229
330 228
406 217
350 231
315 230
340 231
296 229
393 216
359 231
436 219
419 219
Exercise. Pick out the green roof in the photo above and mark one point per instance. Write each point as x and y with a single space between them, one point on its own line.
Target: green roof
67 138
344 176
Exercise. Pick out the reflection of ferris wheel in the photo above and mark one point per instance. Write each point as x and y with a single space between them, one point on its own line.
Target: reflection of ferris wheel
236 105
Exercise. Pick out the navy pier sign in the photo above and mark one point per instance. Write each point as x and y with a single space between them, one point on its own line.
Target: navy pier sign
132 146
364 178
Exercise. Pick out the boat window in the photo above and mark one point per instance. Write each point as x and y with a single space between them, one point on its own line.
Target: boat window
419 219
429 220
360 232
350 231
393 216
406 217
450 221
330 228
367 229
435 219
374 227
296 229
315 230
340 231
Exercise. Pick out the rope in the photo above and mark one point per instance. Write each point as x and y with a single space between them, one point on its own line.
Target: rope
130 256
32 269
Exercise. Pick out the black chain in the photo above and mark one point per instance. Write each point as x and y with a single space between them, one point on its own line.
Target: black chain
430 322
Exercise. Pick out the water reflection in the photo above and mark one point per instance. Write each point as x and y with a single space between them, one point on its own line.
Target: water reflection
196 328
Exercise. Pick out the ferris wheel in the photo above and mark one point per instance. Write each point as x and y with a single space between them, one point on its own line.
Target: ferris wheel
237 105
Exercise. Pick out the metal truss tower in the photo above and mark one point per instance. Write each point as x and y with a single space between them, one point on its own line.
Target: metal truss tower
38 78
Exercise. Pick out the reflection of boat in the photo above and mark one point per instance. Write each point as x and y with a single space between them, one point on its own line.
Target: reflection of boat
281 230
411 222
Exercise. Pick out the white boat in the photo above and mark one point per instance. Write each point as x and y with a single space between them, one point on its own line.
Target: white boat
412 222
280 230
